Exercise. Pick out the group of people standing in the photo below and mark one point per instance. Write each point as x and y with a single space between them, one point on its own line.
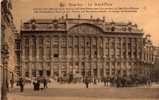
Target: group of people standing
37 84
117 81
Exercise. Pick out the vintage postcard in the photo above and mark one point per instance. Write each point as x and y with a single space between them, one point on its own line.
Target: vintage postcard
79 50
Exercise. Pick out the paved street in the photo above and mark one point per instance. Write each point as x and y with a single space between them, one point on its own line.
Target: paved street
78 92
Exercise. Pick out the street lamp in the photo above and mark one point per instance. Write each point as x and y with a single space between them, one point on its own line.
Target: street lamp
5 57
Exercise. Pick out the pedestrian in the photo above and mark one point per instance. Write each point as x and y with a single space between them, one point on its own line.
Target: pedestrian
38 84
105 81
35 85
45 83
87 82
21 84
12 83
95 81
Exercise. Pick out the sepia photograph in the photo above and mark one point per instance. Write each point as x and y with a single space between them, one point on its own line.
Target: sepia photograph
79 50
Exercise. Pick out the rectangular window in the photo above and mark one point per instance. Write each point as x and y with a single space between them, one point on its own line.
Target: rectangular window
41 72
26 52
75 41
48 52
18 45
87 42
33 72
55 41
63 52
56 55
48 72
69 41
94 42
26 74
76 51
82 43
56 52
63 42
70 52
40 52
18 58
34 47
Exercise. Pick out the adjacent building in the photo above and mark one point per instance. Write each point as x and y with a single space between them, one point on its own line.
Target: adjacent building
7 54
86 47
156 65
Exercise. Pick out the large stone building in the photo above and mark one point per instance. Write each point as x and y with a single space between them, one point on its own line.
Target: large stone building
7 53
87 47
156 65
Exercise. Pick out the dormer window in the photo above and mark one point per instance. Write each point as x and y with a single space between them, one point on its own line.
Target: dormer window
33 26
129 29
113 29
56 25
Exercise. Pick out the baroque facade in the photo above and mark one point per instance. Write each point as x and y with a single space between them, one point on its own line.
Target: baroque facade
7 54
7 43
86 47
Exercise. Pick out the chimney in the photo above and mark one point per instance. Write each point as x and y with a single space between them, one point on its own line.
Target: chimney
79 16
66 16
104 18
91 17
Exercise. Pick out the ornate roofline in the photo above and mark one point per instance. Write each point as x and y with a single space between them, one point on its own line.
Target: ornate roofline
66 24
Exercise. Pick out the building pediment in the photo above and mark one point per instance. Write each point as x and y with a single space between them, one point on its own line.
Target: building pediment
85 29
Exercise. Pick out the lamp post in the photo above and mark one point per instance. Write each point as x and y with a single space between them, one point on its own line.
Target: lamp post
5 57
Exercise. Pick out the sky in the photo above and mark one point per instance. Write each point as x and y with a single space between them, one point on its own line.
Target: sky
146 17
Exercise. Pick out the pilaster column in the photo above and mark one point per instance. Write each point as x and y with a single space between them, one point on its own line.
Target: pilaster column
91 48
84 56
91 52
59 60
110 68
23 69
132 44
121 66
73 52
52 69
137 47
142 50
104 68
84 48
79 65
98 70
30 70
23 49
98 48
148 54
115 68
104 57
30 48
127 48
78 48
115 47
44 48
52 49
126 66
52 52
121 47
67 58
37 49
109 43
44 69
36 67
92 74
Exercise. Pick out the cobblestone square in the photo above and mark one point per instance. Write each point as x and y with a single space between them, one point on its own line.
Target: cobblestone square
79 92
